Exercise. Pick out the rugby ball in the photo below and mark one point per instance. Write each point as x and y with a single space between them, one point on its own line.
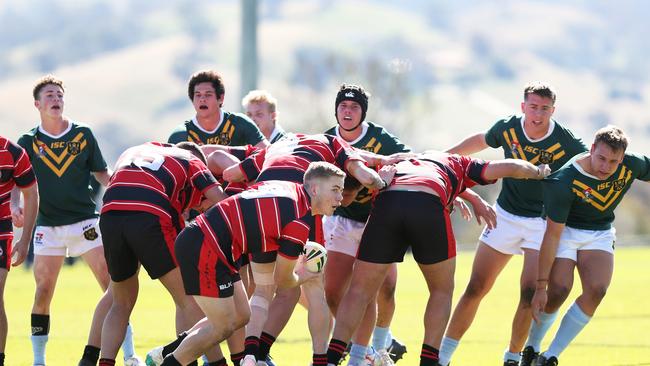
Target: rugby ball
315 256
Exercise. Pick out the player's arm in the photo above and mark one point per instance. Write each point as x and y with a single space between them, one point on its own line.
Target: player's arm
234 174
547 253
470 145
378 160
30 195
290 272
262 144
482 210
212 196
515 168
209 148
220 160
366 176
103 176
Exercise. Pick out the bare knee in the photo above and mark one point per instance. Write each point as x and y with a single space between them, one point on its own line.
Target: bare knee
387 291
476 289
526 296
557 294
596 293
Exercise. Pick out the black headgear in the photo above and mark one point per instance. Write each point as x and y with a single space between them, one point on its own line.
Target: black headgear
354 93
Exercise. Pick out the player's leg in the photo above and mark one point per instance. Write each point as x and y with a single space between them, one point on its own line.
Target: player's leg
48 259
263 268
595 268
488 264
385 310
124 296
337 273
3 315
224 316
318 317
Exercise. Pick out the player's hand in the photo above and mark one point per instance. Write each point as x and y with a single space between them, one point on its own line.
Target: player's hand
485 214
543 171
460 204
387 173
301 271
19 251
17 216
539 302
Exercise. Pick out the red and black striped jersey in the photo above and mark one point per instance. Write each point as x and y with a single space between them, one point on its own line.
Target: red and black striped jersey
447 174
268 216
15 170
160 179
288 159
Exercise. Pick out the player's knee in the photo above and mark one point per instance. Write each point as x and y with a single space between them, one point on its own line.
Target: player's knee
558 293
476 289
526 295
387 291
44 290
596 292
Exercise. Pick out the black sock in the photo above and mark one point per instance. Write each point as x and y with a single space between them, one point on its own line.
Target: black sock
251 345
40 324
170 360
335 351
91 353
319 359
2 359
171 347
266 341
237 357
428 356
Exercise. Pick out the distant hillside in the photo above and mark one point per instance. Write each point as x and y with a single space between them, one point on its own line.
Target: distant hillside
437 70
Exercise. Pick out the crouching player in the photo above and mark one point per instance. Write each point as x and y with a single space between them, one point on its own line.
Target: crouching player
269 216
414 210
580 200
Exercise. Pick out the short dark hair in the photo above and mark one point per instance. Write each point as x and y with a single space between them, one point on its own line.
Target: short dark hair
321 170
194 149
540 88
44 81
206 76
613 137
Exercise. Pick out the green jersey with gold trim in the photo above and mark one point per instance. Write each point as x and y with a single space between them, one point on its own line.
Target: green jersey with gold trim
582 201
375 139
235 129
523 197
63 166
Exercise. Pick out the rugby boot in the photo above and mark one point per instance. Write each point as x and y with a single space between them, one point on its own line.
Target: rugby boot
528 355
396 350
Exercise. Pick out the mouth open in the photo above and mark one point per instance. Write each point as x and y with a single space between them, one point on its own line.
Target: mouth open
203 107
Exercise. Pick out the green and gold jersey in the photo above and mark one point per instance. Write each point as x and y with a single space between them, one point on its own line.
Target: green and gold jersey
63 166
235 129
376 139
582 201
523 197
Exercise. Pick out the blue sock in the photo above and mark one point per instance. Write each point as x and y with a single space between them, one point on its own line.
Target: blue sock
511 356
538 331
205 360
389 339
357 354
128 349
447 348
379 338
38 347
572 323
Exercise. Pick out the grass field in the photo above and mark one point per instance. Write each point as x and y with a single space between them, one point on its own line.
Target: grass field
618 335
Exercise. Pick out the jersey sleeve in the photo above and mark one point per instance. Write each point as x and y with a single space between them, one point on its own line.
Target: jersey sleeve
474 170
494 135
96 160
200 176
178 135
343 152
252 165
393 145
25 142
641 166
241 152
558 199
23 173
293 237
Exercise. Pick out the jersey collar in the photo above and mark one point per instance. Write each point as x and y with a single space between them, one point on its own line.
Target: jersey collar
196 123
364 130
551 127
42 130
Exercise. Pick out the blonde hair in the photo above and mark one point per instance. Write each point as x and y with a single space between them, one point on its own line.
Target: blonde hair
259 96
320 170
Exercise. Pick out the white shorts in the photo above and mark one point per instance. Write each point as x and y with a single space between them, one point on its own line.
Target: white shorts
573 240
514 233
342 234
67 240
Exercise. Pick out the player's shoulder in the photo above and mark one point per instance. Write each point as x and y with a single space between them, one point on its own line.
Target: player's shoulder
508 121
331 131
25 139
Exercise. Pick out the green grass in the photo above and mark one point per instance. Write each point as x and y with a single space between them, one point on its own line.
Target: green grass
616 336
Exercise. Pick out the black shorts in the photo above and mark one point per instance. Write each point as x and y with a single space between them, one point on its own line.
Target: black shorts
399 219
207 270
133 237
5 253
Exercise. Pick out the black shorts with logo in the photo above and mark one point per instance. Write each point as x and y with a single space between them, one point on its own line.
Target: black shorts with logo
399 219
131 238
207 270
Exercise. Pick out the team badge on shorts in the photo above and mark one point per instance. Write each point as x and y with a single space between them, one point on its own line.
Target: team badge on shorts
618 184
74 147
545 157
90 234
38 238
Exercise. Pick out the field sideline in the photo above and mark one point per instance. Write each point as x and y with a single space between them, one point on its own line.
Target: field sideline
617 336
